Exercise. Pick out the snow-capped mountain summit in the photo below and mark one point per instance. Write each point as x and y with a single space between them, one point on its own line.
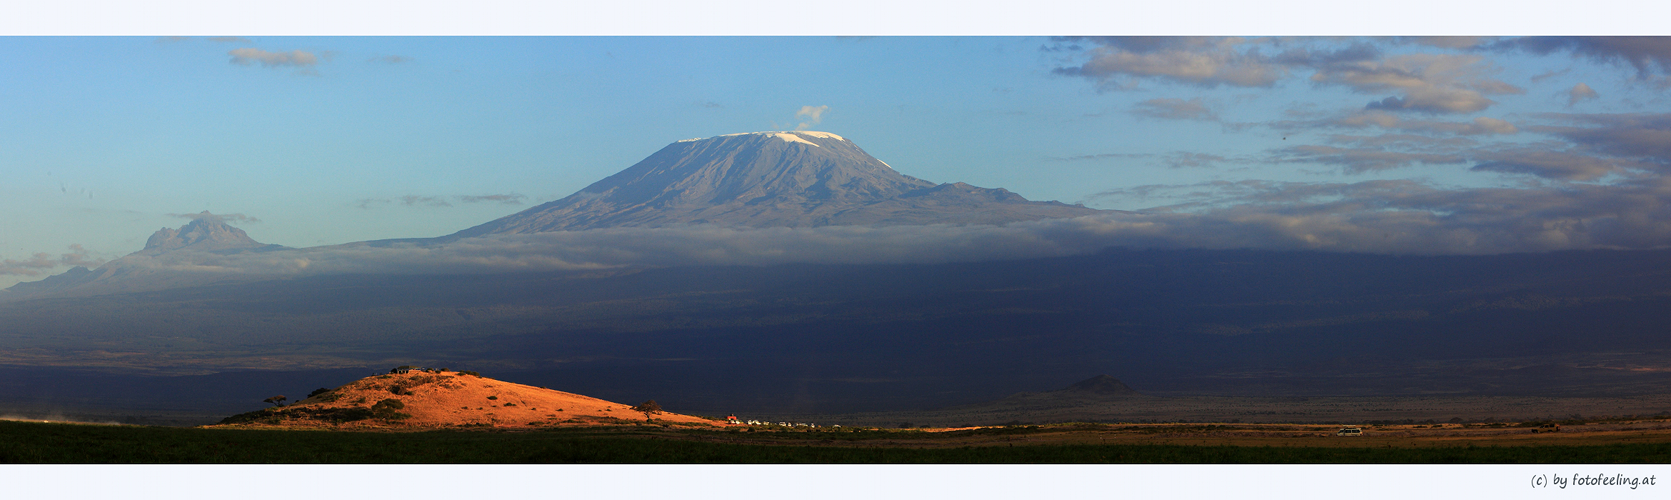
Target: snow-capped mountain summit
770 179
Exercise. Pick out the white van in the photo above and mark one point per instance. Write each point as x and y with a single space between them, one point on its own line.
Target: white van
1349 431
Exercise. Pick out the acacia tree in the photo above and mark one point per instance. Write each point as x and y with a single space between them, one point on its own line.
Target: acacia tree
648 408
275 400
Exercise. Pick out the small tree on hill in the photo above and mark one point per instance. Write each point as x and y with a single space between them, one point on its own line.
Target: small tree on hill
648 408
275 400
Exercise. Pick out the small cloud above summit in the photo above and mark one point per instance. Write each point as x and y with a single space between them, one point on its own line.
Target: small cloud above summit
230 39
810 115
205 215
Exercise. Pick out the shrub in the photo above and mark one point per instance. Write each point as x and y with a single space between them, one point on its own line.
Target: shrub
510 404
470 373
262 416
318 391
386 410
493 397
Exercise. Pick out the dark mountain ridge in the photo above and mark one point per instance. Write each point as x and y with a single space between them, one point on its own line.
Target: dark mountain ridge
877 337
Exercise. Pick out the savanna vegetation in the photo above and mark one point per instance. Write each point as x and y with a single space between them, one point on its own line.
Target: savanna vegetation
34 442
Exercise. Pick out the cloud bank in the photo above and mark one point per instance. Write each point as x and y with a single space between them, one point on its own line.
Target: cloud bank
41 262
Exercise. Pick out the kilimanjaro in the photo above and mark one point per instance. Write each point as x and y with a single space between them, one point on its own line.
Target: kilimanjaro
771 179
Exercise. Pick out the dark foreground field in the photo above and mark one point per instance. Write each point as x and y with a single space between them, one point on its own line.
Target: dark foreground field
57 443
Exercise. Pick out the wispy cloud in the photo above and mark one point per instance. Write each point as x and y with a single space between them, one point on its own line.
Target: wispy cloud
1581 92
1642 136
205 215
413 200
294 59
40 263
1359 160
1389 121
1102 156
810 116
504 199
425 201
230 39
1174 109
390 59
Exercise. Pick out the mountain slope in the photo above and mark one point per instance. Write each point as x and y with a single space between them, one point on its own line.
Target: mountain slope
770 179
439 398
146 269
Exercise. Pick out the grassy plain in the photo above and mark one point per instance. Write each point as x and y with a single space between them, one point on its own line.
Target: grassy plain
1642 441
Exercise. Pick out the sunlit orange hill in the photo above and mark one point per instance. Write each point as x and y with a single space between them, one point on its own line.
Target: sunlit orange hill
433 398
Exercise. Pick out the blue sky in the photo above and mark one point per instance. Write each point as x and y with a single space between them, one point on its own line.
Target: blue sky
308 141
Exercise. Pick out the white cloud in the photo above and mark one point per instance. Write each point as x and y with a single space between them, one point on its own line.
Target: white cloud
1581 92
295 58
810 116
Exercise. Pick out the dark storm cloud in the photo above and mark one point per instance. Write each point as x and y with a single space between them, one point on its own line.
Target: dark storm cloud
1174 109
1648 54
1636 135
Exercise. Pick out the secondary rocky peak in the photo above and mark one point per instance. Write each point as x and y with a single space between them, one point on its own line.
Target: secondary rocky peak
206 232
